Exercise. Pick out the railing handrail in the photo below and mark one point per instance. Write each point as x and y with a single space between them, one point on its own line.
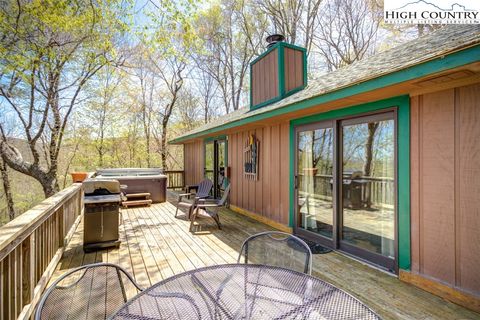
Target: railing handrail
328 176
22 226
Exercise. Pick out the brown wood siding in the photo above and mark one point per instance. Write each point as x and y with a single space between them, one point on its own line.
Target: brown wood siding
445 186
194 162
267 196
293 69
265 78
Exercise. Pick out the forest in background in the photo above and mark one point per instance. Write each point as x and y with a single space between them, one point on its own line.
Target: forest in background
93 84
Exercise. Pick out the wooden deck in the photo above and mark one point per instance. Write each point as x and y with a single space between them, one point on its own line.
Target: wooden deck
156 245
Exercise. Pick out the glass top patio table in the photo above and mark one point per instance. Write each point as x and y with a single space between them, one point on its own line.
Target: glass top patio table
243 291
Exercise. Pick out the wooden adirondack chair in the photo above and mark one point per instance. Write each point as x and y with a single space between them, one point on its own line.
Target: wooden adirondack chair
210 208
203 192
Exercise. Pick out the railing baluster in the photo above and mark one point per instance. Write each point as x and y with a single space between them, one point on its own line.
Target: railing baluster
175 179
18 280
27 280
11 281
3 293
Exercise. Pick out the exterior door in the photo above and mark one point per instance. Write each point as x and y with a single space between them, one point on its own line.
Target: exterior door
314 167
367 212
215 165
345 186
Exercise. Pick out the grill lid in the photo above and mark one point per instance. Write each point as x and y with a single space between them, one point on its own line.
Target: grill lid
101 186
106 199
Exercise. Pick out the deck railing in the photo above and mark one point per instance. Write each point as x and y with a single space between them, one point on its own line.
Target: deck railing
175 179
380 190
31 246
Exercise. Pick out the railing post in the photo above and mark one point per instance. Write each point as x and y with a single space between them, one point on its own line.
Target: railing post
61 226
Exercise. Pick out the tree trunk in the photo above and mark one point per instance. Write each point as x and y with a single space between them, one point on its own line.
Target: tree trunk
48 179
49 185
367 168
7 189
206 112
147 143
164 145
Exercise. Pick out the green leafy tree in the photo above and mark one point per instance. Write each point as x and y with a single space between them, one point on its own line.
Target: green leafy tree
49 51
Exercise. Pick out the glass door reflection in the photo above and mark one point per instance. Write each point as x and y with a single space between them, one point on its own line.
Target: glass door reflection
209 160
368 186
314 173
220 167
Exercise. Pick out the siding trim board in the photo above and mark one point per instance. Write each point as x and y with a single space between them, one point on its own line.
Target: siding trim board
403 163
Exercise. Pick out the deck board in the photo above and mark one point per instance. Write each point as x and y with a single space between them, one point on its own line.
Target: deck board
155 245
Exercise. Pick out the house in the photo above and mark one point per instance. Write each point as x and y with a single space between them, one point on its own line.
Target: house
379 160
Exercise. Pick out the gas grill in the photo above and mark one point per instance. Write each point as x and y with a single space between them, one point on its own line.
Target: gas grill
102 200
353 189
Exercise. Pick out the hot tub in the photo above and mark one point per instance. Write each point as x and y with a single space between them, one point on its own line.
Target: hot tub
139 180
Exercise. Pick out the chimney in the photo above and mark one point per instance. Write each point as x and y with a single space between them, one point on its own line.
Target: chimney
274 38
277 73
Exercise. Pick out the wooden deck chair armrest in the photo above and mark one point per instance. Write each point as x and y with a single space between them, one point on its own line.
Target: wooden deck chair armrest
207 205
181 195
206 200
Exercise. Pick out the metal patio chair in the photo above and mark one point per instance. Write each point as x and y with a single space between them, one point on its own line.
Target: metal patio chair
203 191
93 291
279 249
210 208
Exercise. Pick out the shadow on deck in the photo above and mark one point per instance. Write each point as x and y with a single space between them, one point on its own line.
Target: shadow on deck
155 245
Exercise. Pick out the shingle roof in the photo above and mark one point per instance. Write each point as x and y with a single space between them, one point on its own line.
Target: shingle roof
436 44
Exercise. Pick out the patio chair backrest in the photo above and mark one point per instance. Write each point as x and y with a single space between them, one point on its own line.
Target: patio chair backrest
279 249
204 188
93 291
224 198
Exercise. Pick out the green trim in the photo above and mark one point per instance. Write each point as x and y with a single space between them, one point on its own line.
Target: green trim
278 98
292 46
220 137
305 77
403 189
288 93
438 64
261 56
403 162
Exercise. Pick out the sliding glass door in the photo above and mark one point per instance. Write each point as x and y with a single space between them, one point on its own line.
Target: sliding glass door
314 172
345 185
367 210
215 165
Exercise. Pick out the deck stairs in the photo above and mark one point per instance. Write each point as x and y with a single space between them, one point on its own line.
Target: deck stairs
137 199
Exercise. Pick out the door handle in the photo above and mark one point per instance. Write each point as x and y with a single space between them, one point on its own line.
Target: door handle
295 182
